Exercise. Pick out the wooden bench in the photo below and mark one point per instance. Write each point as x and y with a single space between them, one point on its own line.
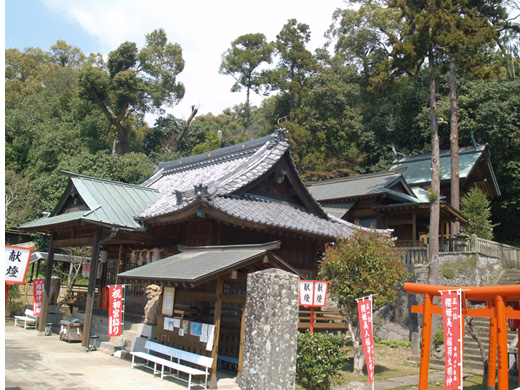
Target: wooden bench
29 320
177 362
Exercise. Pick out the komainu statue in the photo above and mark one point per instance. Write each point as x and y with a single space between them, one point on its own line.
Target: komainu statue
152 310
54 292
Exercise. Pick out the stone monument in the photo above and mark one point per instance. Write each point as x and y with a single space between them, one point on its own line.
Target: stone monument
271 331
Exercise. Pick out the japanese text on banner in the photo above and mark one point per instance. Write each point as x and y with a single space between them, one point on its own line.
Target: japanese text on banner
365 325
38 285
313 293
16 264
115 311
452 343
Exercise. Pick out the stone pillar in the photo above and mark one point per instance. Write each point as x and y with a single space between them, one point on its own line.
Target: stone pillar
271 330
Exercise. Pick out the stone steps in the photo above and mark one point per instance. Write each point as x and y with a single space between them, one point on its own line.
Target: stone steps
111 345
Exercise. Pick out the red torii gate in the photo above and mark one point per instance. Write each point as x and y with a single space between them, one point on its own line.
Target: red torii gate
496 298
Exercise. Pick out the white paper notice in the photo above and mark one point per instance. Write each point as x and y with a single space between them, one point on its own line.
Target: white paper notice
168 301
204 333
181 332
176 323
211 335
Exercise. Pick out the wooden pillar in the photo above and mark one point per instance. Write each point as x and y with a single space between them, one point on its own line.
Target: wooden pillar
492 354
426 342
46 288
216 321
241 348
414 229
91 289
503 362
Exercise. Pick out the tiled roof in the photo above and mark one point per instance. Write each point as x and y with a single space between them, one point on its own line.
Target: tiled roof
221 172
282 215
231 167
353 186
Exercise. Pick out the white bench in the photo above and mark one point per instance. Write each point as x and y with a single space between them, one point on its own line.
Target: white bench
29 320
176 357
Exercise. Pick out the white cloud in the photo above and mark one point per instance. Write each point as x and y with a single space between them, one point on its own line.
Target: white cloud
204 29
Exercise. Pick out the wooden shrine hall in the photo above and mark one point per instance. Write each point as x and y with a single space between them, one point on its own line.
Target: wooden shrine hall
230 211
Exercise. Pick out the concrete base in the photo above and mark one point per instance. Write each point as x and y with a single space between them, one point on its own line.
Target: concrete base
212 383
148 331
138 344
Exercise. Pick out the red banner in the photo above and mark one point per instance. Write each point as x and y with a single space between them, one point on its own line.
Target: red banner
38 285
365 325
452 338
115 311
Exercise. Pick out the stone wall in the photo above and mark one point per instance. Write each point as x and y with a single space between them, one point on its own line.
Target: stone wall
397 322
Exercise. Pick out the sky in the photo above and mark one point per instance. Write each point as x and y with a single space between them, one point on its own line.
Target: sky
204 29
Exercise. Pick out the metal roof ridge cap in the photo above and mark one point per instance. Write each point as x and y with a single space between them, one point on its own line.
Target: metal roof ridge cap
222 248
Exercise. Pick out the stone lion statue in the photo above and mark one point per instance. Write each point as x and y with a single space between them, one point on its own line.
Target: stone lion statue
152 310
54 292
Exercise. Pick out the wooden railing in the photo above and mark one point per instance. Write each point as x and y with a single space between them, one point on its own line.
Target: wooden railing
323 320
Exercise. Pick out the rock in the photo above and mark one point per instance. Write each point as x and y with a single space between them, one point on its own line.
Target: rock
355 386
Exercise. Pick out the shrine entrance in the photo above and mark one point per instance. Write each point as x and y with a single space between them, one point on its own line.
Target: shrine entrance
499 301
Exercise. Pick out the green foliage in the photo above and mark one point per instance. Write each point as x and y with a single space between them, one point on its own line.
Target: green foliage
365 263
136 81
394 343
14 307
242 61
438 339
476 208
320 357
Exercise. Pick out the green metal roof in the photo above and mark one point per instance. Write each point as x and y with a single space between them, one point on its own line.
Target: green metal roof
418 168
197 265
107 202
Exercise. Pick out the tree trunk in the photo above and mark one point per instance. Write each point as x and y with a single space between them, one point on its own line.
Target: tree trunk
454 143
172 144
359 358
122 142
433 236
248 110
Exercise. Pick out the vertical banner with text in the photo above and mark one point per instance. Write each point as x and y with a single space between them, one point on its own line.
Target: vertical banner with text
115 310
38 285
451 316
365 325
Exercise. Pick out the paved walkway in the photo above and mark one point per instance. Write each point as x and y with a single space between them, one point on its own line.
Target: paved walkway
35 362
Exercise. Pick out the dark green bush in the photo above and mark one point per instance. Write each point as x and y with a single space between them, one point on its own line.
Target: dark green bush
438 339
320 358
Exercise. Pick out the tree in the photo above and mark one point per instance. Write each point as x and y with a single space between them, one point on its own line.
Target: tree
134 81
243 61
476 207
296 64
366 263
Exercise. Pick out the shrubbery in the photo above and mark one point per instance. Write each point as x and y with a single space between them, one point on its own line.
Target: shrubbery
320 358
